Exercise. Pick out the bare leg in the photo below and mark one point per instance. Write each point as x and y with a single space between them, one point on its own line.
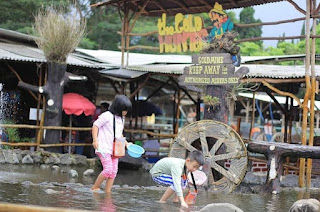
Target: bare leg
109 184
166 195
175 198
98 182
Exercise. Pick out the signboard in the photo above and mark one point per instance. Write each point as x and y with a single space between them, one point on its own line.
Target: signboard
188 32
210 69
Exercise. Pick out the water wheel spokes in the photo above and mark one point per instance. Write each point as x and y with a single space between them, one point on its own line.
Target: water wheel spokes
228 174
224 151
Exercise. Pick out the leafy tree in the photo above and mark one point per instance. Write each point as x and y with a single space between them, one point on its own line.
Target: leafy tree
247 17
251 49
20 16
102 26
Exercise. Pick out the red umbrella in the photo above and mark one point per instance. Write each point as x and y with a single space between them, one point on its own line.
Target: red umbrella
76 104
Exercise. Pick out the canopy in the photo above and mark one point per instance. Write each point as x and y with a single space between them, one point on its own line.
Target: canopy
156 8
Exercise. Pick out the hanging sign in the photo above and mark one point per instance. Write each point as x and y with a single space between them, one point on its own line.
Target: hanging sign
210 69
186 34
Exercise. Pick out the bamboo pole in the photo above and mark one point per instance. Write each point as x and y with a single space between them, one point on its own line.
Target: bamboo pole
123 35
10 207
45 127
29 144
176 128
252 113
281 92
40 131
150 133
313 94
127 37
306 96
274 81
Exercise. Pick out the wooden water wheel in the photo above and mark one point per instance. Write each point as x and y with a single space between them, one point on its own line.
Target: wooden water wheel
223 148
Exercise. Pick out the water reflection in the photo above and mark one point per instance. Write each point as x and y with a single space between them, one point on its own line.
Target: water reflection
133 191
104 202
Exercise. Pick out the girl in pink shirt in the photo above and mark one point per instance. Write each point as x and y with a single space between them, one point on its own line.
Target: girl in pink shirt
103 135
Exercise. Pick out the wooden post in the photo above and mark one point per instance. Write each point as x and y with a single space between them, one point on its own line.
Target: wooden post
275 153
252 113
306 96
123 33
313 93
176 127
40 131
247 111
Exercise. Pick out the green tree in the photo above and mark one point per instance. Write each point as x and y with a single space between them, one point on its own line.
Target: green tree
102 27
247 17
18 15
251 49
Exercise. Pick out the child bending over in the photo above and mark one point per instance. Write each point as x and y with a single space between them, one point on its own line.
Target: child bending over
171 171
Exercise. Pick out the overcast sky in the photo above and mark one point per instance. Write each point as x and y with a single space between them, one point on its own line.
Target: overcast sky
276 12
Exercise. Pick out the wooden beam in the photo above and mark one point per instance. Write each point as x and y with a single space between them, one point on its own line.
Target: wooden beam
269 38
182 5
19 78
206 4
159 5
140 86
158 89
142 47
10 207
270 23
282 92
297 7
273 81
137 15
184 90
276 101
142 9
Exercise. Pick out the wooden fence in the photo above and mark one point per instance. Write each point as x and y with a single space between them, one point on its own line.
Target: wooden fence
40 129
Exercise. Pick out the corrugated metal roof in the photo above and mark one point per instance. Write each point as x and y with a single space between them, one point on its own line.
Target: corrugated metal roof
253 59
258 71
280 99
163 69
122 73
277 71
16 52
114 57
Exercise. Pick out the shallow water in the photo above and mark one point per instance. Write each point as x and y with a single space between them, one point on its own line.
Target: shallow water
133 191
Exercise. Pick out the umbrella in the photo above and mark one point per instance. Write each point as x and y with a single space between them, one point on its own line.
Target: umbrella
145 108
76 104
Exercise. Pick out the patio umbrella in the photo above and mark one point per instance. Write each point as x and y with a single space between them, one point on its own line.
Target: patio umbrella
145 108
76 104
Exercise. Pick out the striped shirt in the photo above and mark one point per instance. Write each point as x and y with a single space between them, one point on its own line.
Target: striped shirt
170 166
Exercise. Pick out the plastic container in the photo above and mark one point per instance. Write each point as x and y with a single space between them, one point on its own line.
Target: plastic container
135 151
199 177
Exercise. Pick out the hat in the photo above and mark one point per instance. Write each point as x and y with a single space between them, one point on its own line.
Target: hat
217 9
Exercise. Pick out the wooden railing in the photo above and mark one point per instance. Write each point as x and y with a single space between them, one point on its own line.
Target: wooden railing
38 142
